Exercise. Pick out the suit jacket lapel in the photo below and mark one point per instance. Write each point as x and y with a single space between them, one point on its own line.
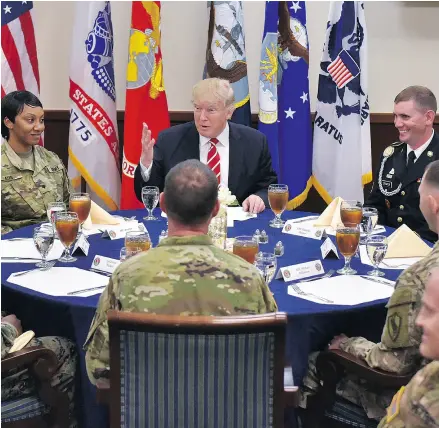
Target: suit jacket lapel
190 145
235 157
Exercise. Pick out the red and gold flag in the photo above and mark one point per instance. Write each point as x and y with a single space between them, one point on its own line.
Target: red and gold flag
145 97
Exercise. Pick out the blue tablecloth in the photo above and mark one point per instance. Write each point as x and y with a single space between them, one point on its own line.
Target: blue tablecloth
310 324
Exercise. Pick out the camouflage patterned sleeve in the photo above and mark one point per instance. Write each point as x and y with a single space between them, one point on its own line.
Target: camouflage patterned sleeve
66 185
268 304
9 334
6 229
397 352
97 344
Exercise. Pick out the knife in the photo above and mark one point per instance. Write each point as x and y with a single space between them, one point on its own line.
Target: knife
380 281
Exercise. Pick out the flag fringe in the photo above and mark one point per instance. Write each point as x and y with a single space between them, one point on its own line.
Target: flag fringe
366 178
321 190
300 199
244 101
91 182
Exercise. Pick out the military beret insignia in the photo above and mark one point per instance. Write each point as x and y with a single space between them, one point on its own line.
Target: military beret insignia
388 151
430 154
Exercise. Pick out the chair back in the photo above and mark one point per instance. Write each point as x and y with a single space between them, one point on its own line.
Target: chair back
191 371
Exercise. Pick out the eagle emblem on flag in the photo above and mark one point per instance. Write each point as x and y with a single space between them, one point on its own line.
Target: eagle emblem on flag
99 47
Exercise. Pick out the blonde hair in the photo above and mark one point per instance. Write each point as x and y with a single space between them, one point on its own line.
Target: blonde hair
214 89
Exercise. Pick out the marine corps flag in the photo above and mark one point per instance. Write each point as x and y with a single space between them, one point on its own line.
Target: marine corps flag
225 53
93 139
145 95
284 110
342 153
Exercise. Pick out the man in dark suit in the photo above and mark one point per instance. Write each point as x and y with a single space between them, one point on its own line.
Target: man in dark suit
237 154
395 190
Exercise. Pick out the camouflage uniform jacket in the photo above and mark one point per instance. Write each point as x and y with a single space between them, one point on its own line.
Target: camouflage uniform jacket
182 276
9 334
26 193
416 405
398 351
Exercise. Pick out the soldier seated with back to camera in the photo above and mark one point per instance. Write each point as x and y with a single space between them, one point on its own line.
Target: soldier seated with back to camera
185 274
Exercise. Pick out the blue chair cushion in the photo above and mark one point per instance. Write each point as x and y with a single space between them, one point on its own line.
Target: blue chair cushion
23 408
197 381
348 413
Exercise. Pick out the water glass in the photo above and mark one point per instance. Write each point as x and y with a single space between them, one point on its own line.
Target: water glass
43 240
368 222
376 250
150 198
348 238
267 265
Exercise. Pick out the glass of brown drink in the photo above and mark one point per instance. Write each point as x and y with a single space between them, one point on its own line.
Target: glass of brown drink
67 226
80 203
278 199
137 240
348 238
246 247
351 212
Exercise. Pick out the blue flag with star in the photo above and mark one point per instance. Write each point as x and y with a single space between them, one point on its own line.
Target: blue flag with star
284 108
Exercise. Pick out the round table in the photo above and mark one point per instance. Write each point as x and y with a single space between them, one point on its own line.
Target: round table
71 316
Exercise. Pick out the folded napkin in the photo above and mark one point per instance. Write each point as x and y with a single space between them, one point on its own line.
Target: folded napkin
406 243
331 215
99 216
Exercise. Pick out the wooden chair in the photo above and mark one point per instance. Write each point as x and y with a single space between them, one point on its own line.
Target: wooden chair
48 407
190 371
325 409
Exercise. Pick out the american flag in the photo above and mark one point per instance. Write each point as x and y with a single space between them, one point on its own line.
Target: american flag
343 69
19 51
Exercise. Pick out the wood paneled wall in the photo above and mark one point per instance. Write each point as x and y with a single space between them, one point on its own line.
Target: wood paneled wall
383 133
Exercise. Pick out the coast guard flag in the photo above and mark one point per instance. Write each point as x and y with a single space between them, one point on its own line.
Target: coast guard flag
284 110
342 153
93 139
145 94
225 54
19 50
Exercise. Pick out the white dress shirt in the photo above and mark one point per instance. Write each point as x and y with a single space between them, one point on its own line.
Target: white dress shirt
419 150
223 151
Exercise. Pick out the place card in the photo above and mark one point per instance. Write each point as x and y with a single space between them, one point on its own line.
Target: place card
303 229
104 264
81 244
329 249
117 232
300 271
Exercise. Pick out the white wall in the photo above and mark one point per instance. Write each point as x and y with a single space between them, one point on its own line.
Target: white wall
403 48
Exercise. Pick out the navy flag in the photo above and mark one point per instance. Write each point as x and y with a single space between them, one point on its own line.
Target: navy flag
284 109
225 54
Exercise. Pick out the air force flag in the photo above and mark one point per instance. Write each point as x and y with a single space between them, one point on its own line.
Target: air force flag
342 153
284 110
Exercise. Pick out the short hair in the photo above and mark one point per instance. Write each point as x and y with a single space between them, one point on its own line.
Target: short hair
191 191
13 104
431 175
214 89
422 96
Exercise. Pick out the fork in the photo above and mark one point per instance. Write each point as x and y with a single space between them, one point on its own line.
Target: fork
303 293
326 275
33 270
402 266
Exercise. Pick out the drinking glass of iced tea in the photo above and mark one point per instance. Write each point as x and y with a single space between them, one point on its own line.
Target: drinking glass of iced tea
67 226
246 247
80 203
137 239
277 198
351 212
348 238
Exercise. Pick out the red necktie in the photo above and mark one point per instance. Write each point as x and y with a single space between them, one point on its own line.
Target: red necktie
213 159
